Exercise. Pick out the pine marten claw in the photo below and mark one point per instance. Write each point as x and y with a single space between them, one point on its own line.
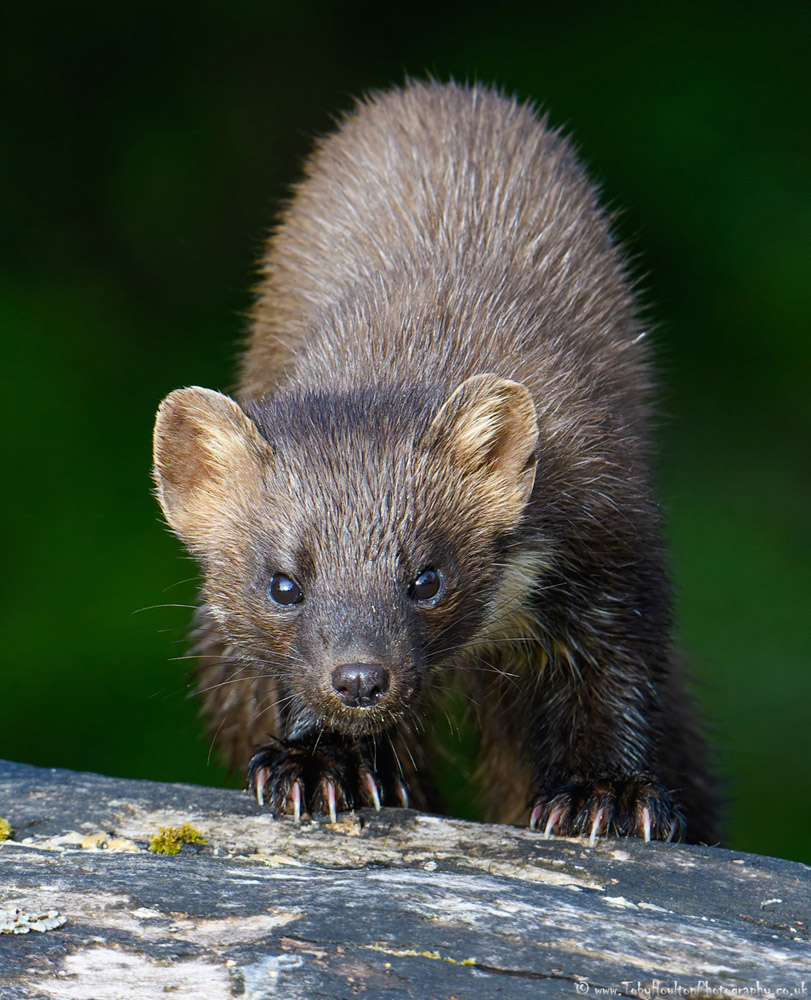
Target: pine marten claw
554 816
629 806
259 780
597 826
331 796
370 785
646 822
295 798
401 792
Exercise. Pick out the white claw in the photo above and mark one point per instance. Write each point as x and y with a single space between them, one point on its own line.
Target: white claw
646 823
554 816
295 795
534 816
672 831
372 789
261 778
595 826
333 814
402 793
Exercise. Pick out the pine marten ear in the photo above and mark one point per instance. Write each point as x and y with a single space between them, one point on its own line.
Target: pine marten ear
489 426
207 454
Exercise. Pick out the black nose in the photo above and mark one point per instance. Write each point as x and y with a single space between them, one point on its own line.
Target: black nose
360 684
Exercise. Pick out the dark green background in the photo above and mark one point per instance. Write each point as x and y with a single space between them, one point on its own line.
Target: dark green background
144 147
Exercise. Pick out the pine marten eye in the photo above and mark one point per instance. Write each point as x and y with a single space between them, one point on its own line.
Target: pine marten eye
425 586
284 590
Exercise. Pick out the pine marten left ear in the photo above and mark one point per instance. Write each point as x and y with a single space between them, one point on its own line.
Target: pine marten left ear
489 426
208 455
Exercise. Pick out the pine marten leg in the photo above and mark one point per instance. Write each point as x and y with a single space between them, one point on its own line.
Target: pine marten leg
569 747
593 751
325 772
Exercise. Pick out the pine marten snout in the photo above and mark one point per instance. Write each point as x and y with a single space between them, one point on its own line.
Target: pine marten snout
436 467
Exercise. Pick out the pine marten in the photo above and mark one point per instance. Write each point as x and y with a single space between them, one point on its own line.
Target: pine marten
436 467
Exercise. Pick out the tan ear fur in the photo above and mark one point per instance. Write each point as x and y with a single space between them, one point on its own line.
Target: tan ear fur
489 426
207 452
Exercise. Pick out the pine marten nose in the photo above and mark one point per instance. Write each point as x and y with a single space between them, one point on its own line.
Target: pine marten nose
360 685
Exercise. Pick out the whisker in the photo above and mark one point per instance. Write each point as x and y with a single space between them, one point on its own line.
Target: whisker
155 607
180 583
214 740
394 752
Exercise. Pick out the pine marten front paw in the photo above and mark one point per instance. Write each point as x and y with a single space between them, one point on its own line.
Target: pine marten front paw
635 805
295 776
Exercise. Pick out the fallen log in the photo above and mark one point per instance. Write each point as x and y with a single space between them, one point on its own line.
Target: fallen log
393 903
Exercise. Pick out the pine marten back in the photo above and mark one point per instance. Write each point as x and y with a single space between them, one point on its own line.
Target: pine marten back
437 467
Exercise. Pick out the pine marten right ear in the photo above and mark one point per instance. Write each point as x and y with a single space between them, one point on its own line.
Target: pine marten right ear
207 453
489 429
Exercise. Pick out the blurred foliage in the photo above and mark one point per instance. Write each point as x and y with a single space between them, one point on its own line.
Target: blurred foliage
145 147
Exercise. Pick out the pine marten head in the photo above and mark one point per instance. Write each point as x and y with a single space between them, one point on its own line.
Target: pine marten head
350 542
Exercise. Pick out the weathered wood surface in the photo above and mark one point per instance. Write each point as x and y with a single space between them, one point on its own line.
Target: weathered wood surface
378 905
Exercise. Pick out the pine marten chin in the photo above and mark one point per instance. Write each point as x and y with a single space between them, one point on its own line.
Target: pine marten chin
436 468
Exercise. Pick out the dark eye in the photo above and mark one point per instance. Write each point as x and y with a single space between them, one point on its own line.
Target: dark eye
284 590
425 586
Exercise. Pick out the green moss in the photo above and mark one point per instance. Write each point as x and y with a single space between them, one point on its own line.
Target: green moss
170 839
5 829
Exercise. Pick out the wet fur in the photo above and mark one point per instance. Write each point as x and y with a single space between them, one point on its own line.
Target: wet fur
443 232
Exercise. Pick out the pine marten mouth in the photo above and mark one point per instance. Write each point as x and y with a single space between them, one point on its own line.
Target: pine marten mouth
360 722
367 717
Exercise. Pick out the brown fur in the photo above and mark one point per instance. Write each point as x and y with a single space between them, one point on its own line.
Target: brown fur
446 369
